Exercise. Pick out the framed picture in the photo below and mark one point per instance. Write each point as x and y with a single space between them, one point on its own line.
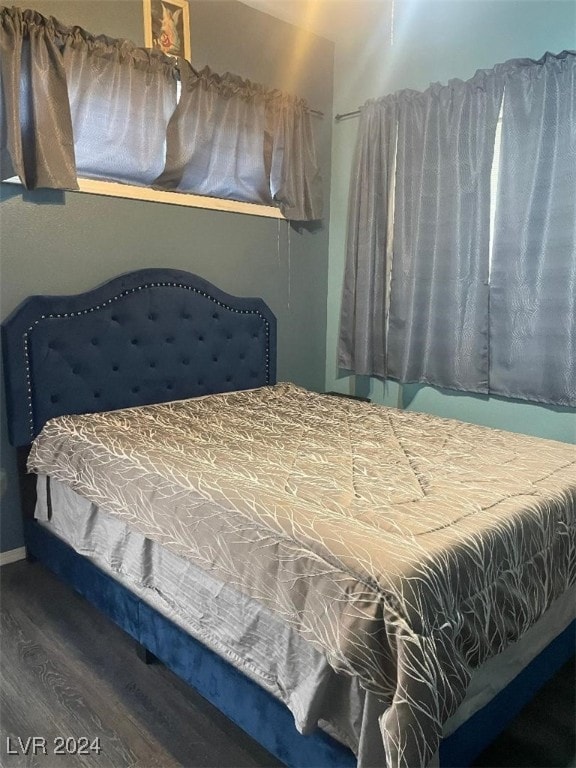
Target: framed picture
167 26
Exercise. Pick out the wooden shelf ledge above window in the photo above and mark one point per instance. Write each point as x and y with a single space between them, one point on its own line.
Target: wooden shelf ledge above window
114 189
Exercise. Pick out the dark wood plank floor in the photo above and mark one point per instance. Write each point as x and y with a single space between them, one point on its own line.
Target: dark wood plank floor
68 671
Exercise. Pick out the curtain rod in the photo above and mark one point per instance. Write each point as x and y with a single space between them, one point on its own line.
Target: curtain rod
347 114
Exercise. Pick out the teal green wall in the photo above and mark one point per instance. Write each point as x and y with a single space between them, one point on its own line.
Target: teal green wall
436 40
53 242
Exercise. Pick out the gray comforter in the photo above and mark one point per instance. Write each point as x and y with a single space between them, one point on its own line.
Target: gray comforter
408 548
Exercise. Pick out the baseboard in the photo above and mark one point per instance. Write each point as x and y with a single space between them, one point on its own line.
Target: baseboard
12 555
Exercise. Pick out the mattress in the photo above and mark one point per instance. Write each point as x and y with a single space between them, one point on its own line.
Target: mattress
407 549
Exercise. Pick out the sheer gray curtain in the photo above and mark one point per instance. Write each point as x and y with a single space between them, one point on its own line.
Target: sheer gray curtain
121 99
72 103
533 280
232 138
219 112
438 325
36 140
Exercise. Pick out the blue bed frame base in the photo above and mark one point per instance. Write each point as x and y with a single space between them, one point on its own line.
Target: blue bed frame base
252 708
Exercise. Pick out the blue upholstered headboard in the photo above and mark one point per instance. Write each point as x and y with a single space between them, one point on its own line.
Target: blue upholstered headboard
144 337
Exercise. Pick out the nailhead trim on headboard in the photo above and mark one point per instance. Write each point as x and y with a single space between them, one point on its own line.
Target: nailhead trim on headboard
111 301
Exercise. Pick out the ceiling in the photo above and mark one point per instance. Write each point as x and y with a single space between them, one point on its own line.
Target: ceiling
336 20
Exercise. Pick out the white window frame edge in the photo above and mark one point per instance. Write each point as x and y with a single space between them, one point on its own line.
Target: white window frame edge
131 192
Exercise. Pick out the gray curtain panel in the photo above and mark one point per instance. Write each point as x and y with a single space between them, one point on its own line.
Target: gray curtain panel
121 99
438 323
36 140
295 180
215 139
362 341
232 138
432 152
533 280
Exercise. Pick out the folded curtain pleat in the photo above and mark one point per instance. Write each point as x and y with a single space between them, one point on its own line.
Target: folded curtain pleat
37 141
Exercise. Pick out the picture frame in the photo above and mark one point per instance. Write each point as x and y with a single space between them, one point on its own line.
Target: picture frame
167 27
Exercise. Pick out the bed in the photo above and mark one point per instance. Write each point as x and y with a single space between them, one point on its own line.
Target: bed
345 639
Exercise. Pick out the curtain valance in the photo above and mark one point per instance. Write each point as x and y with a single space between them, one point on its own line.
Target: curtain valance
74 104
121 99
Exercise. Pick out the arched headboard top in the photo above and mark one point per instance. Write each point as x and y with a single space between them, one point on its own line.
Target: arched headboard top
144 337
